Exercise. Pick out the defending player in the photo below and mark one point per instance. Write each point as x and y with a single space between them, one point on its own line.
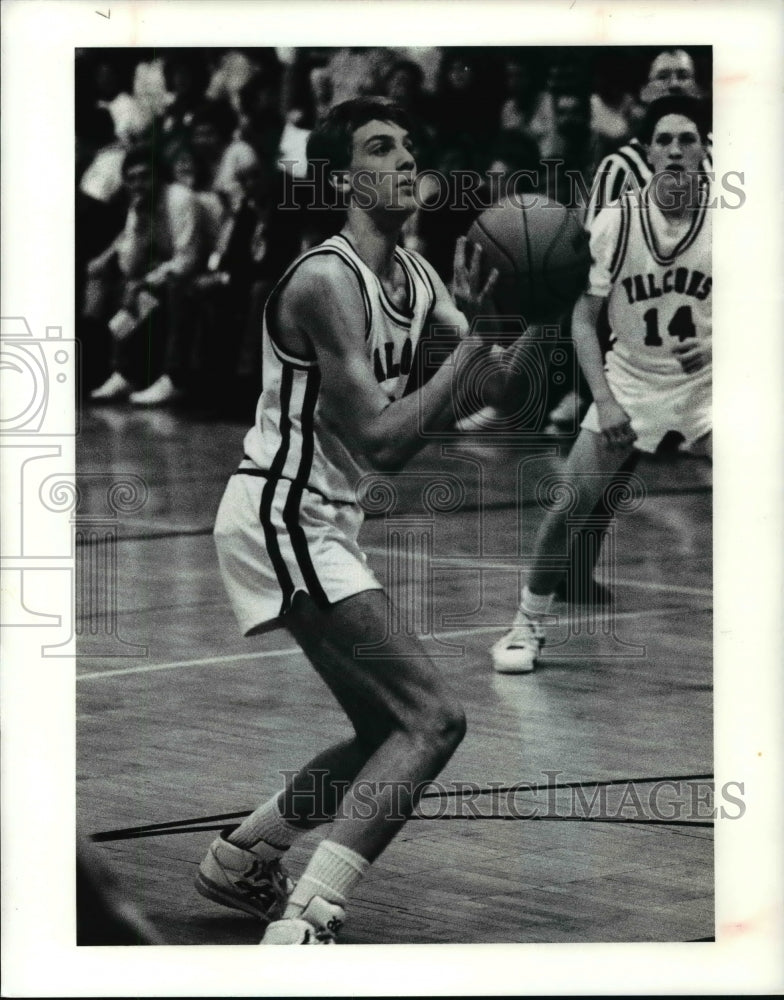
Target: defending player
671 73
340 331
652 262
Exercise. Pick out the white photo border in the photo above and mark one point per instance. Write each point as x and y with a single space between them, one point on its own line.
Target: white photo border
38 701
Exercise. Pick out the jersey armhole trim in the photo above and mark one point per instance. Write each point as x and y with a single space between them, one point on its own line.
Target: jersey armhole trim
623 240
270 323
421 270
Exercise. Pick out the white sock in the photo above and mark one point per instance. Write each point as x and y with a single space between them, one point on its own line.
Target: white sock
535 605
332 873
266 831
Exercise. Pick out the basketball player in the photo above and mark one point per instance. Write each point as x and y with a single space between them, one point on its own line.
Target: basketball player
671 73
340 331
652 264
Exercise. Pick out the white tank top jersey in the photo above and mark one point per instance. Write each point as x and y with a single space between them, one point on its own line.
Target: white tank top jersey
657 277
290 439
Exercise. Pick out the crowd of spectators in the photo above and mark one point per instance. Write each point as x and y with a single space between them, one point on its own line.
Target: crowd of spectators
185 210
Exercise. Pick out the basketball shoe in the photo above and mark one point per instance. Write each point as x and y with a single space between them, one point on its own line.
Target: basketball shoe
236 877
517 652
319 924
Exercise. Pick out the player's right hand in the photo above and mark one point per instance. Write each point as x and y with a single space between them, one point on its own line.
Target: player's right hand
615 425
472 297
693 355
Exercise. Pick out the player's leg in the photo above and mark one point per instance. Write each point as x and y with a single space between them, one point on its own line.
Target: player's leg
243 868
399 697
407 720
581 587
518 650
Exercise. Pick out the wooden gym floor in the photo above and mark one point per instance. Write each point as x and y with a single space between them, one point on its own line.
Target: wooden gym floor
201 725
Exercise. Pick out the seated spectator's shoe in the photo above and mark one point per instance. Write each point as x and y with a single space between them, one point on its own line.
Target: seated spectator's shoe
487 417
517 652
588 592
116 387
161 392
236 877
319 924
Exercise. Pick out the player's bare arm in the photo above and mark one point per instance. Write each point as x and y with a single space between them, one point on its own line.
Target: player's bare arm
613 419
323 314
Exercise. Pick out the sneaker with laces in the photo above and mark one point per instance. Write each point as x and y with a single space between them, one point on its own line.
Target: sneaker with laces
319 924
517 652
114 388
236 877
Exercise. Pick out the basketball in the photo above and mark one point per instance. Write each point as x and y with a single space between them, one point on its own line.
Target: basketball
541 252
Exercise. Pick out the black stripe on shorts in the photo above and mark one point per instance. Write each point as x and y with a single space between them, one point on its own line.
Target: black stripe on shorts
268 493
294 499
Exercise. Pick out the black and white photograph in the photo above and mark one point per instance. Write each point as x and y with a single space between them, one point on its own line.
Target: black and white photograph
363 505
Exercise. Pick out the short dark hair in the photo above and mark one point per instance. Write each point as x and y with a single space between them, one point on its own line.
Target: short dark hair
332 140
693 108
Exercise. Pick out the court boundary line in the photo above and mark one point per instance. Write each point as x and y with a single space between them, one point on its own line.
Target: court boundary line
266 654
196 824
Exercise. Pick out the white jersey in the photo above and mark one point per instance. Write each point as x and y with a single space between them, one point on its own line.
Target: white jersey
290 442
657 277
627 169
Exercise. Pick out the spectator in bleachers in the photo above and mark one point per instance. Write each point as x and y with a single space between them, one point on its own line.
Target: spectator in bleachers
572 143
186 75
136 284
112 83
521 94
99 155
234 69
149 83
211 132
255 245
258 133
186 169
100 208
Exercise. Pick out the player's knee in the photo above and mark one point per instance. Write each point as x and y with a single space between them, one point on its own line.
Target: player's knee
443 727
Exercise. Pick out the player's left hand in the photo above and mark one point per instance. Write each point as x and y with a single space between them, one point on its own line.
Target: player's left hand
693 355
472 298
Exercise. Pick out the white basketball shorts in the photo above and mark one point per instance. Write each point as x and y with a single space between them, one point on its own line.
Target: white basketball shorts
274 539
658 403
